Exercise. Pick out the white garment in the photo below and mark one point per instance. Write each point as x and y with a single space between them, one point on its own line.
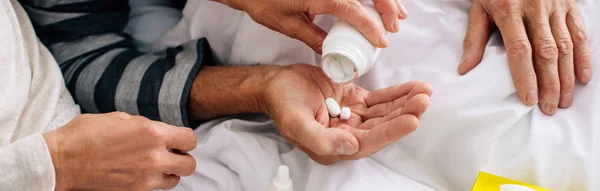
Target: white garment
475 122
33 100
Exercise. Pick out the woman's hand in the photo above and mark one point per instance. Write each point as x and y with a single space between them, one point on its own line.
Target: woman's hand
117 151
547 69
294 17
296 101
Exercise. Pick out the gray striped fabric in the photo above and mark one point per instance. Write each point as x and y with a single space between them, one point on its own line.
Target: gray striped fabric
64 51
103 70
129 85
90 77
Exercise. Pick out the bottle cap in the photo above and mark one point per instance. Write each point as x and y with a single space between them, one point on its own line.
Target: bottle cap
282 181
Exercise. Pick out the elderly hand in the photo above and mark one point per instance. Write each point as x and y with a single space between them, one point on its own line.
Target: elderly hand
294 17
546 45
117 151
296 101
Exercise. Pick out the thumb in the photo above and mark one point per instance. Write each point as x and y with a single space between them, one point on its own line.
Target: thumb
302 28
475 40
319 139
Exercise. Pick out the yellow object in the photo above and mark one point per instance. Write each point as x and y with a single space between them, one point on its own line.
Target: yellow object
490 182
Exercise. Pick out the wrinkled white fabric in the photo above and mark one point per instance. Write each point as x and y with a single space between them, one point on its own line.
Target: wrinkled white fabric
243 154
475 122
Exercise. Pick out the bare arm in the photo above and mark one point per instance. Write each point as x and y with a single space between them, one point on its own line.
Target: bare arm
293 96
221 91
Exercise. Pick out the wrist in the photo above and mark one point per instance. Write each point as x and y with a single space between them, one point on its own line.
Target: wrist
52 144
220 91
260 87
65 176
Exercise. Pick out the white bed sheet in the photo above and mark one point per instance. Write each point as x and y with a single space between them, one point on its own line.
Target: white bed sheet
475 122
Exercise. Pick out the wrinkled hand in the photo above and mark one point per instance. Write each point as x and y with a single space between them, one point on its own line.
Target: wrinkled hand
294 17
117 151
296 101
548 68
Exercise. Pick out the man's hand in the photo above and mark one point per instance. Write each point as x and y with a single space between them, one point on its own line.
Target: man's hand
295 99
549 67
294 17
117 151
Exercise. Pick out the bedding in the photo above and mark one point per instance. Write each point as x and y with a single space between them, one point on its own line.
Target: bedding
475 122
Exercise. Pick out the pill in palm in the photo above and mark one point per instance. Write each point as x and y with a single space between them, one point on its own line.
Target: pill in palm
345 113
333 107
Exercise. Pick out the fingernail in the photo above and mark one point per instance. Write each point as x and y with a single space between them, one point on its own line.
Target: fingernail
383 41
585 75
347 149
566 100
403 11
395 26
550 108
461 65
532 97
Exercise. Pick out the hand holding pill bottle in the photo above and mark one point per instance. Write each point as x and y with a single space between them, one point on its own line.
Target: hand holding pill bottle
294 18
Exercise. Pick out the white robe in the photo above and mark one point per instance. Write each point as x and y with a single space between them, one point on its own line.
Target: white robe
33 100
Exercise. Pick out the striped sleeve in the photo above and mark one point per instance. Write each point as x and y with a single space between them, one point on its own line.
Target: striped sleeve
103 70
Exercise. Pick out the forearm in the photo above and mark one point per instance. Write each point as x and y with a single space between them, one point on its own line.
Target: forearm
102 68
222 91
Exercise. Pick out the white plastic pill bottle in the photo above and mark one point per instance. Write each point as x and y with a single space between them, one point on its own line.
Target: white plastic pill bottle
347 54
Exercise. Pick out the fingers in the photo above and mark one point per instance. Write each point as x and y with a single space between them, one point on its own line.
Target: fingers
388 9
177 138
519 57
580 46
373 122
169 181
421 88
417 105
546 63
179 164
394 92
354 13
383 109
475 40
403 14
566 71
304 30
319 139
180 138
390 93
374 139
390 128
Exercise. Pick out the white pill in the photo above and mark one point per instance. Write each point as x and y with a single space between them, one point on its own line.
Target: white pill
345 113
333 107
336 70
348 67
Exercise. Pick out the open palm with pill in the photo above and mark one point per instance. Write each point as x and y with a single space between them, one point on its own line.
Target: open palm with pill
297 104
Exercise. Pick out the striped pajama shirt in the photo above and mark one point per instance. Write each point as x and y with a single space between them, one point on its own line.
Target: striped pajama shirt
102 68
